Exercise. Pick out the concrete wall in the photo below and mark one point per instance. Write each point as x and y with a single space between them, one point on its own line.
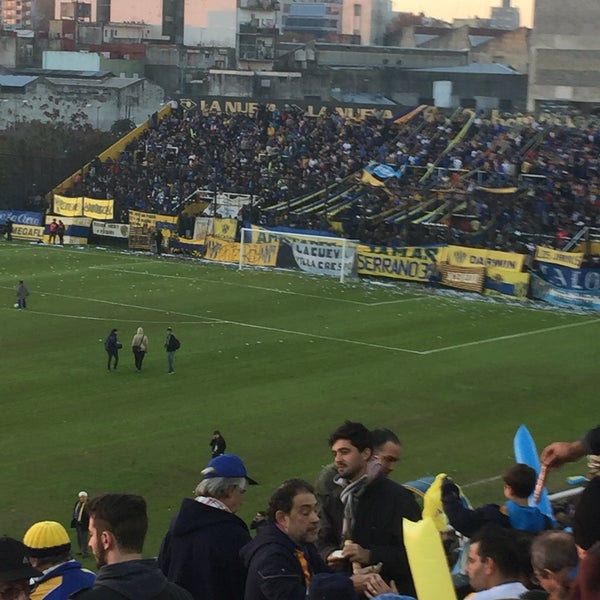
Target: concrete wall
565 53
71 61
96 103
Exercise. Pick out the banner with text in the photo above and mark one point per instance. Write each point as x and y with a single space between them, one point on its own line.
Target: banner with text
68 207
463 256
116 230
22 217
263 255
566 259
565 286
31 233
463 278
319 256
411 263
152 221
98 209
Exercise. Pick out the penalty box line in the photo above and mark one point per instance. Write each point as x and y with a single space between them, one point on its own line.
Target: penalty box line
261 288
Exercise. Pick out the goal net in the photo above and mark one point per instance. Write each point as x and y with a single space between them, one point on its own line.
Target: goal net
317 254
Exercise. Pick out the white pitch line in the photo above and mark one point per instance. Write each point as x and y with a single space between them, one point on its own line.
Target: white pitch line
111 320
481 481
257 287
510 337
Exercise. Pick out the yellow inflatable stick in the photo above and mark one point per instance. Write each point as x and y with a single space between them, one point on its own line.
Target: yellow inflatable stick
427 561
432 504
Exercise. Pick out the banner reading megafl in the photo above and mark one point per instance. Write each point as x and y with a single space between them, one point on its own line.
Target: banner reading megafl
28 232
463 278
263 255
149 220
410 263
566 259
462 256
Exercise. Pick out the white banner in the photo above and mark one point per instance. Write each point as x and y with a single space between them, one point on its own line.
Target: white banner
118 230
322 258
203 226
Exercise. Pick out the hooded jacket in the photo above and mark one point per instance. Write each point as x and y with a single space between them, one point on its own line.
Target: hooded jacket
274 572
200 552
63 579
132 580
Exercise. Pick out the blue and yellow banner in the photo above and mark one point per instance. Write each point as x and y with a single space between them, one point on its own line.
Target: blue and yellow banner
83 207
463 256
504 282
410 263
77 229
22 217
151 220
556 257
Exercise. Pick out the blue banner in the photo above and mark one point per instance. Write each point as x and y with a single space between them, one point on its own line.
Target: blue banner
565 286
22 217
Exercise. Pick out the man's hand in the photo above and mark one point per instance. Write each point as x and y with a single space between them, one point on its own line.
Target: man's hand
558 453
368 584
379 586
336 561
356 553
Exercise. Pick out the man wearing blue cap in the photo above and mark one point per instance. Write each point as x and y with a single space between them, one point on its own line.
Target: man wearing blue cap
200 552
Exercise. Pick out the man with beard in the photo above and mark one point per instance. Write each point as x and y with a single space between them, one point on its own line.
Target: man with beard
118 526
363 525
282 560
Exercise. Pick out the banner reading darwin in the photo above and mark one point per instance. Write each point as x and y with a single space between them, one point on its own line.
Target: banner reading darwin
463 256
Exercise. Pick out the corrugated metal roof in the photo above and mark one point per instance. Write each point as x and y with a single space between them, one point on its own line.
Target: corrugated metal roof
109 82
478 40
475 68
17 81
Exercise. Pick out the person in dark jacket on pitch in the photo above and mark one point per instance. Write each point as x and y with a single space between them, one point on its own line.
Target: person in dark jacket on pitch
112 347
217 444
282 560
200 552
118 526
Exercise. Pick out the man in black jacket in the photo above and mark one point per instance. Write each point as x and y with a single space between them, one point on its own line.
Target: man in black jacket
118 526
282 560
363 525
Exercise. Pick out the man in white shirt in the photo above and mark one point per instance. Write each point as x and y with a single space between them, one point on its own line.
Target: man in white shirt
493 565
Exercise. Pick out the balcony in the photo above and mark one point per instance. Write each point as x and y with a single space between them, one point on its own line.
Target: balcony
266 5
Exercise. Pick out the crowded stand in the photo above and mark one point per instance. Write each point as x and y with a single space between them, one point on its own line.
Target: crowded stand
462 178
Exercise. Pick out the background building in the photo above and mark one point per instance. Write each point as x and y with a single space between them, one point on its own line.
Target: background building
565 55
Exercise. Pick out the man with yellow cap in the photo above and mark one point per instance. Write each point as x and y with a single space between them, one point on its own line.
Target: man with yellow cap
48 547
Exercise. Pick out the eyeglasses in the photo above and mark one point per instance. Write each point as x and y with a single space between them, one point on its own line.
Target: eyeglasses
14 589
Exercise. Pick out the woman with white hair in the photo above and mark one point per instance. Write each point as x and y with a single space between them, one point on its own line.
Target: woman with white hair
200 552
139 345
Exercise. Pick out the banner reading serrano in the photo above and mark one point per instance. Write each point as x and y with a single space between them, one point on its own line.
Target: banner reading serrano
411 263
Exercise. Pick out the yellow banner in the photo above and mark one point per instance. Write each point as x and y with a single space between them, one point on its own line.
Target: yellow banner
504 282
264 255
225 229
98 209
149 220
566 259
27 232
68 207
462 256
410 263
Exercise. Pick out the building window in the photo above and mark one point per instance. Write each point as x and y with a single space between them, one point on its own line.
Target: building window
357 10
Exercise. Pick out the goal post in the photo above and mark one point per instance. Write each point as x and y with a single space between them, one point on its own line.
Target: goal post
317 254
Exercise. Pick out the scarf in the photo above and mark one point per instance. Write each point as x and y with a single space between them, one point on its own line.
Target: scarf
213 502
351 493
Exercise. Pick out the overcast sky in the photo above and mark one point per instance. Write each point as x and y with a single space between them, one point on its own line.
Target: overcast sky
449 9
150 10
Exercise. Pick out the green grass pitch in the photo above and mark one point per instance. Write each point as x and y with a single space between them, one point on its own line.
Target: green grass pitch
275 360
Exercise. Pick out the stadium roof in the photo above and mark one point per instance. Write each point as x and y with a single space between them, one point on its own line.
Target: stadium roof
474 68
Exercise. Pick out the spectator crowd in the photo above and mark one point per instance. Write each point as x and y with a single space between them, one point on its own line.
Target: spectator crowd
342 539
449 168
